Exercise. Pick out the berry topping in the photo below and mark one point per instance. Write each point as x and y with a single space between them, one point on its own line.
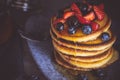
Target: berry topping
82 20
73 21
68 14
99 13
75 8
83 7
90 16
95 26
60 14
86 29
59 26
72 30
81 15
105 36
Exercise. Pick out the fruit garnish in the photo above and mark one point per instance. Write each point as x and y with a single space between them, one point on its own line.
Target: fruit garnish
83 7
99 13
105 36
59 26
75 8
59 20
90 16
71 30
82 20
73 21
68 14
86 29
95 26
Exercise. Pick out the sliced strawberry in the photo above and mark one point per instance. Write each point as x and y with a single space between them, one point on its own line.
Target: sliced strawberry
68 14
95 26
82 19
99 13
90 16
101 6
59 20
75 8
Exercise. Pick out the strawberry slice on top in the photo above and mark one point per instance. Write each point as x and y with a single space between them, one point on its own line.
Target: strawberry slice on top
95 26
90 16
68 14
99 13
82 20
75 8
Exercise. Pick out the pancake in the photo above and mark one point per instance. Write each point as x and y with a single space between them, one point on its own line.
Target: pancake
85 59
95 64
93 45
67 65
77 52
79 36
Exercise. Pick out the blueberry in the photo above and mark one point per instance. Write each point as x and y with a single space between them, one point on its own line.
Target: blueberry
60 26
72 30
83 7
105 36
86 29
60 13
73 21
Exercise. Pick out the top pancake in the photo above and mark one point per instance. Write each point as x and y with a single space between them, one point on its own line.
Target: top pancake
92 45
79 36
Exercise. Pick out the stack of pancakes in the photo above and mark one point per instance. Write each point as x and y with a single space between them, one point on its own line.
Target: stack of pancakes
81 51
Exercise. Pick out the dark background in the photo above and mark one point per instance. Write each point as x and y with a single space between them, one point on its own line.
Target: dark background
11 65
